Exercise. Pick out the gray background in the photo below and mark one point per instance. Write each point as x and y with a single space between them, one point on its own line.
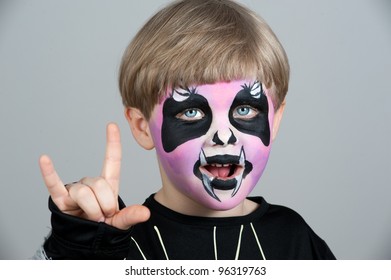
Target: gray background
331 161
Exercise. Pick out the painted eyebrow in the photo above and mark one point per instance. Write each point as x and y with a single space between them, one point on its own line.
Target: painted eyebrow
180 94
255 89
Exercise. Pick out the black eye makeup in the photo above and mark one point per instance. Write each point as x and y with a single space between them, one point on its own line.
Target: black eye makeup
249 114
184 120
187 115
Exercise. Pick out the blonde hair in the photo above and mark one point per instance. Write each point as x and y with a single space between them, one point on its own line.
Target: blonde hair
201 42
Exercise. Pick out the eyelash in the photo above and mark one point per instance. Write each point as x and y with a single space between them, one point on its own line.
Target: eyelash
184 115
252 112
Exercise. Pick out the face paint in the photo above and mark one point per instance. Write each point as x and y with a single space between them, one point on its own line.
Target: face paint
184 130
213 140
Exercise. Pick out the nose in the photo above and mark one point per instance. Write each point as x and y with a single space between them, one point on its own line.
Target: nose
224 138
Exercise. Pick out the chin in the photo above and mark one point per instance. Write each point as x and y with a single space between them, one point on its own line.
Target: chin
227 201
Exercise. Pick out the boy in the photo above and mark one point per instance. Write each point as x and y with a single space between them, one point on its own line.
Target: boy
204 83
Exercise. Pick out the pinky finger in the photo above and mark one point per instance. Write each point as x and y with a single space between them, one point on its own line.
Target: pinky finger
52 181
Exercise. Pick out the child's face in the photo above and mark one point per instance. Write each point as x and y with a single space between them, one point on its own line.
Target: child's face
213 141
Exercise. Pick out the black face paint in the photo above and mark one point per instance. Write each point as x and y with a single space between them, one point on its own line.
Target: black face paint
259 125
176 131
232 139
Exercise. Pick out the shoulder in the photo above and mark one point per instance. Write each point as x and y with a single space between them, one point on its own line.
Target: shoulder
288 236
279 214
285 215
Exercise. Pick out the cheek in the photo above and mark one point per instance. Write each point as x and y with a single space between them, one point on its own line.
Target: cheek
155 124
256 152
181 161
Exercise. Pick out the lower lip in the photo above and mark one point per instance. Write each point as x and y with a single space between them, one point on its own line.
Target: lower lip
223 185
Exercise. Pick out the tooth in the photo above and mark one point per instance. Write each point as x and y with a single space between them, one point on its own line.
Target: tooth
202 158
219 165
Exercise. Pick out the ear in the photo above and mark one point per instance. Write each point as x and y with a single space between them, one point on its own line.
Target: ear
277 119
140 127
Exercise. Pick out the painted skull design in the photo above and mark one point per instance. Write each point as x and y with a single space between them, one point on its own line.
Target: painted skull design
213 141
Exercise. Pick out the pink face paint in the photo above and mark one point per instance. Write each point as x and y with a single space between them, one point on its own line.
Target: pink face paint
213 141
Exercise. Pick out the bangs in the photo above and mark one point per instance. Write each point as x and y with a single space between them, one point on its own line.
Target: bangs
198 60
201 42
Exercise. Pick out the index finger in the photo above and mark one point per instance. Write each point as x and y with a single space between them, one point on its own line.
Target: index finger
112 162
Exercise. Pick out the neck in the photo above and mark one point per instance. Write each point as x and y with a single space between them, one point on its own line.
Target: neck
181 203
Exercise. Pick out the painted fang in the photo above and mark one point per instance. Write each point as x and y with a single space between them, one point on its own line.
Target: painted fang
222 172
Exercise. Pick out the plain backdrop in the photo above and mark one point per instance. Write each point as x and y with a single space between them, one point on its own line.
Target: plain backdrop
331 161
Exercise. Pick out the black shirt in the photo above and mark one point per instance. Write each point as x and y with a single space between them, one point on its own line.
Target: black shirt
270 232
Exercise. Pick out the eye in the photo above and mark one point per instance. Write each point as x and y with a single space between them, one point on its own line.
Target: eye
192 114
245 112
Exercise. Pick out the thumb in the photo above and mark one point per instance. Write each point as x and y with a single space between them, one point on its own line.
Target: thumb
130 216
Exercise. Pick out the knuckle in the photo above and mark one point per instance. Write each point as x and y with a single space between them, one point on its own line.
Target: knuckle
100 184
83 192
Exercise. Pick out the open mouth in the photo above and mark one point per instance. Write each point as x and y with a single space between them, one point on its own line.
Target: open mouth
222 172
221 167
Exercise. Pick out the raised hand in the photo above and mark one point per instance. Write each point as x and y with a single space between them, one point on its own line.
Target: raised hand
96 198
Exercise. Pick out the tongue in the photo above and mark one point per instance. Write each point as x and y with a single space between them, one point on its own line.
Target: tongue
221 172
